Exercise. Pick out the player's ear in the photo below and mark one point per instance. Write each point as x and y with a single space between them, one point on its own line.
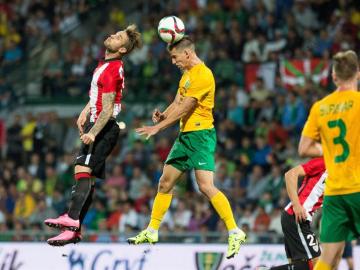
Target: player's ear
333 75
122 50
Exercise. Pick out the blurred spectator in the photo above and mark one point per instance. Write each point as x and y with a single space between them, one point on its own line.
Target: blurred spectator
257 183
52 76
129 217
294 114
258 116
41 213
27 133
262 221
182 215
137 181
24 206
14 140
117 178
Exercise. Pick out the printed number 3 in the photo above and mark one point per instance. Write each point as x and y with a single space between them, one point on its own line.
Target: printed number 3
340 139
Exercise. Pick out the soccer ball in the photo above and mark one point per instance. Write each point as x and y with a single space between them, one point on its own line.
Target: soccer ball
171 29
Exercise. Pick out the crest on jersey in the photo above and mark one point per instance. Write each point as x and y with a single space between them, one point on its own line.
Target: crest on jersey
187 85
208 260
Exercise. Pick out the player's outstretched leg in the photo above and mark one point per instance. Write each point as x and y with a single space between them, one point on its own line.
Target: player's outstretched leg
161 205
70 223
237 237
63 222
64 238
145 236
150 235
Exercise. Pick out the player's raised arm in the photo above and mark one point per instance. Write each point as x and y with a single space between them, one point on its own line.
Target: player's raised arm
291 180
178 110
171 107
159 116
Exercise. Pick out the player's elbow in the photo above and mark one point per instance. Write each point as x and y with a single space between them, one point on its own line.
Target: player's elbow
294 173
288 175
302 150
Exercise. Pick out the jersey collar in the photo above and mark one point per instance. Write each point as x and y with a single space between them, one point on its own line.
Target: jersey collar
111 59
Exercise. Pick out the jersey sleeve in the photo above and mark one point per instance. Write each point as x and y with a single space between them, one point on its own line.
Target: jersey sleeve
314 166
311 128
111 80
199 86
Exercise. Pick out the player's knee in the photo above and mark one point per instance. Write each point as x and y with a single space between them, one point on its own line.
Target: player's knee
205 187
164 185
80 169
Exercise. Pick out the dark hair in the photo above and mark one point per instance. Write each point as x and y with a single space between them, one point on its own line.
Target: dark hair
345 65
134 37
185 43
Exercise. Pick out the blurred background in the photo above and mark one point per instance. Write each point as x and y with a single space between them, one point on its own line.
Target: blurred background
271 60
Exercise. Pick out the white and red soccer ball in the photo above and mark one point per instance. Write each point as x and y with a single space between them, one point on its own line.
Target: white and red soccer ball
171 29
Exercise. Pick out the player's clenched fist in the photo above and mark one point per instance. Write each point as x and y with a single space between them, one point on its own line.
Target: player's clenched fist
81 122
88 138
157 116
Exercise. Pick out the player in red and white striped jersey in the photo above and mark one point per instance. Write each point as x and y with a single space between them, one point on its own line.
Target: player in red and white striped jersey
309 198
99 135
301 244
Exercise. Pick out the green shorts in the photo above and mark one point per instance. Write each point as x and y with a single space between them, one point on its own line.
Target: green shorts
340 218
194 150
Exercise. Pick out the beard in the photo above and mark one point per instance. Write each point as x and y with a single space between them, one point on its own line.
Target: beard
108 48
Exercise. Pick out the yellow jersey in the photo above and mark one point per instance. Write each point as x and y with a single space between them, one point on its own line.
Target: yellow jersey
334 120
199 83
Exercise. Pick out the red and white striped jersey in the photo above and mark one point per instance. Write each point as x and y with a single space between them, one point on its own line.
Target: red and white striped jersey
108 77
311 191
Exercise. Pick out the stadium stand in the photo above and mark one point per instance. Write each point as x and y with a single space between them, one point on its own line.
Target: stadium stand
271 62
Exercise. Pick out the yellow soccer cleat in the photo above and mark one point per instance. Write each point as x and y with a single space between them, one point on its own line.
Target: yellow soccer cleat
235 241
144 236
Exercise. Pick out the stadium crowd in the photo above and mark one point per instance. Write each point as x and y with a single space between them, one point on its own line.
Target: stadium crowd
258 127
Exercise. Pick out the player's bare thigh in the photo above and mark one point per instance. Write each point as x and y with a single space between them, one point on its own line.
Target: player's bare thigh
168 178
331 253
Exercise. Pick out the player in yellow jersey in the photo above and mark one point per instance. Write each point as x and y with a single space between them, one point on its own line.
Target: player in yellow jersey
334 122
195 146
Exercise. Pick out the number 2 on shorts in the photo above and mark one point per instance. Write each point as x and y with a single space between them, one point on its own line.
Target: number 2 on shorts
339 123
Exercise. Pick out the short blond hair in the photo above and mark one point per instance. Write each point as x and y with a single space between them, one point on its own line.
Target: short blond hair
185 43
134 36
345 65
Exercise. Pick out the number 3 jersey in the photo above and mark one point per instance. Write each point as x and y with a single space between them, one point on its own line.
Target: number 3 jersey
108 77
335 121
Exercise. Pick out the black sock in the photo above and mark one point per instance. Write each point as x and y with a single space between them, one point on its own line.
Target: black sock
79 194
87 205
297 265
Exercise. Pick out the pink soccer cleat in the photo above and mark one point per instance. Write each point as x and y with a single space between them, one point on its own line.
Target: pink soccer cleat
63 222
64 238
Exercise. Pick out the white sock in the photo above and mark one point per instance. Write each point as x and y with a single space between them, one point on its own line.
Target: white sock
234 231
152 230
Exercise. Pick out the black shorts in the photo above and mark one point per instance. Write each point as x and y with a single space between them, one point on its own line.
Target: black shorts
300 241
348 250
95 154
